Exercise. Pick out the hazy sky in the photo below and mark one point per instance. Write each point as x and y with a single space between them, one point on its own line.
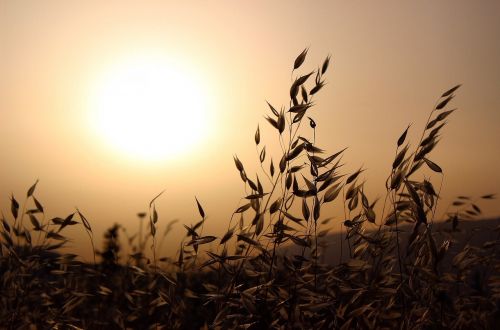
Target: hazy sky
390 62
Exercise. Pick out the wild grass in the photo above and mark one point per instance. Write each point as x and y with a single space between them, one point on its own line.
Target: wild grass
384 278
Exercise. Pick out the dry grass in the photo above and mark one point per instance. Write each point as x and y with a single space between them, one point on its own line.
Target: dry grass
381 280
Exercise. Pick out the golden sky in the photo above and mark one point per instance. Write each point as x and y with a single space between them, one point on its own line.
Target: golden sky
390 62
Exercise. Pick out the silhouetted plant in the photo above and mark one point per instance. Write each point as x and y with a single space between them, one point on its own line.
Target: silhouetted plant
110 254
398 269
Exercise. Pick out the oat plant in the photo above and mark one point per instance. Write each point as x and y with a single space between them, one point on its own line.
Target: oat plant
397 265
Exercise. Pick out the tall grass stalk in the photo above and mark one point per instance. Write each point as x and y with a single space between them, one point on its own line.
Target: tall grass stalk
270 269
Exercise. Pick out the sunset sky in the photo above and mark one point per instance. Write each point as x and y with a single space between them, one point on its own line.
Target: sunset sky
63 63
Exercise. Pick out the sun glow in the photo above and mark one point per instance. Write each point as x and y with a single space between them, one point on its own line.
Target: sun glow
149 108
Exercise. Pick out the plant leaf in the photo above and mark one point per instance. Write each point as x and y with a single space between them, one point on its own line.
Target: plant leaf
300 59
316 209
238 163
332 193
275 112
201 240
275 206
227 236
14 207
243 208
38 205
32 189
433 166
200 209
353 176
305 209
402 138
85 222
262 156
35 222
324 67
249 240
443 103
451 90
399 158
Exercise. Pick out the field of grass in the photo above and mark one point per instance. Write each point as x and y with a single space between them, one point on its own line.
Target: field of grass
273 268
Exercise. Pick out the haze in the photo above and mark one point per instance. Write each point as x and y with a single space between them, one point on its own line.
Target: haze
390 62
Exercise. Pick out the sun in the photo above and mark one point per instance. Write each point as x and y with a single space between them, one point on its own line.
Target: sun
149 108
